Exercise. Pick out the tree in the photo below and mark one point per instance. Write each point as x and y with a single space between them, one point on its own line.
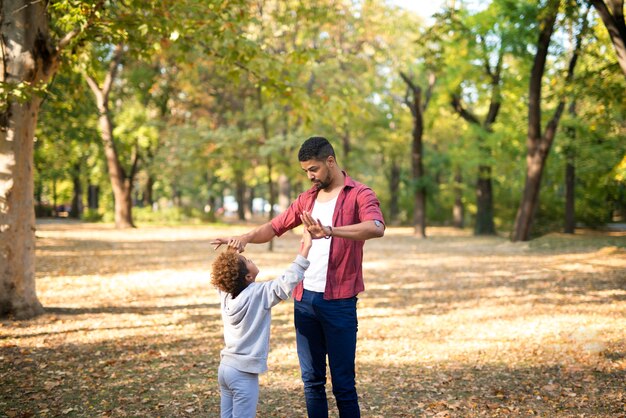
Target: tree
491 42
612 14
417 100
31 57
538 143
32 51
121 179
66 138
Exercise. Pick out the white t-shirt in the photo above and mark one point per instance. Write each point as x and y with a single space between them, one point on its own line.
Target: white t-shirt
315 276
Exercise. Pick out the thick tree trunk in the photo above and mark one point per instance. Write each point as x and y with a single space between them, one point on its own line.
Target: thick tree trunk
29 58
534 159
615 24
538 145
122 187
17 215
484 202
535 163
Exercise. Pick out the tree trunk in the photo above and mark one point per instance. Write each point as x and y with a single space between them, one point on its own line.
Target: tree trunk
29 58
417 149
458 211
419 215
616 26
93 196
55 203
394 187
250 196
535 163
570 178
77 199
484 202
484 195
240 195
570 184
121 183
17 215
538 144
147 196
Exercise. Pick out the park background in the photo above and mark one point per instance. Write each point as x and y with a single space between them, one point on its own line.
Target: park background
492 132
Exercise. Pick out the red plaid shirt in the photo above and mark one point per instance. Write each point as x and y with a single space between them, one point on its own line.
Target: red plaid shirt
356 203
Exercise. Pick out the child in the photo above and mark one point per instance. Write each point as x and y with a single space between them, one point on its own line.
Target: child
246 313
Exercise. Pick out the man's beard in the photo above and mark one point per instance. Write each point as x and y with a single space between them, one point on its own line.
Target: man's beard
321 185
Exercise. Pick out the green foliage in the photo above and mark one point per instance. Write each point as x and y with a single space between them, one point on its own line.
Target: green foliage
169 216
217 96
92 215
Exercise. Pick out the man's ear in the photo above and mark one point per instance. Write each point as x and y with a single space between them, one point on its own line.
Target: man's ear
330 160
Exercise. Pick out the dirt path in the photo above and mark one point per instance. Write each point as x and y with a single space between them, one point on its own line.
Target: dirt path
452 326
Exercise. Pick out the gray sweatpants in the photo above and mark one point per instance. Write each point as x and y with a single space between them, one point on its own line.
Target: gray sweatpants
239 392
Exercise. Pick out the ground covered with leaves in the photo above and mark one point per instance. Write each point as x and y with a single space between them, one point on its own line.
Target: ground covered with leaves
450 326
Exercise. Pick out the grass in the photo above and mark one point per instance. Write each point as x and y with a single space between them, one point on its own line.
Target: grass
451 326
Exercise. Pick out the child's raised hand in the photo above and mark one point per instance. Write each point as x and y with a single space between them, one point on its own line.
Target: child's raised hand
235 244
305 242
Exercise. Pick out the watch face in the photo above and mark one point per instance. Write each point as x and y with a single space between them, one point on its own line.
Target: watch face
378 223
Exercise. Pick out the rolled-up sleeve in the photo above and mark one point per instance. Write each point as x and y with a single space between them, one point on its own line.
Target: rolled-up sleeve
369 206
289 219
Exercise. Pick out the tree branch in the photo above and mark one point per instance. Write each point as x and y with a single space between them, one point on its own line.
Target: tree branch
483 46
408 81
553 123
464 113
112 72
432 79
135 157
539 65
615 25
64 42
93 85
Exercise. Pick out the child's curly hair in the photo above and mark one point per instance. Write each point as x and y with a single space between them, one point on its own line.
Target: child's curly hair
229 273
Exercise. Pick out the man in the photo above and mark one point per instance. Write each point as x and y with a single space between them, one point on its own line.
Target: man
340 215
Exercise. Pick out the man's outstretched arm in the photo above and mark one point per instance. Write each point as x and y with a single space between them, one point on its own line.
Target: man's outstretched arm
263 233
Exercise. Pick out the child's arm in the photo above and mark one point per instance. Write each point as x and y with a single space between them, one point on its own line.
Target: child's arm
280 288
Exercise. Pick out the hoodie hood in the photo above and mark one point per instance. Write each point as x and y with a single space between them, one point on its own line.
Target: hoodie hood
235 309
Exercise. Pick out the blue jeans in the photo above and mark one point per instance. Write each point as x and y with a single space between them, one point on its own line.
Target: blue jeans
327 327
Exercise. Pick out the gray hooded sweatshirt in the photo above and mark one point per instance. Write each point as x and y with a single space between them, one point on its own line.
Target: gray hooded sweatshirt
247 318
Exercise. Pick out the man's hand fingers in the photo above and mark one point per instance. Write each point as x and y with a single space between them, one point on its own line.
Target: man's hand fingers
305 219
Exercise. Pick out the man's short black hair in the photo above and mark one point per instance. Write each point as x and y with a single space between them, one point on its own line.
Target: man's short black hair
315 148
